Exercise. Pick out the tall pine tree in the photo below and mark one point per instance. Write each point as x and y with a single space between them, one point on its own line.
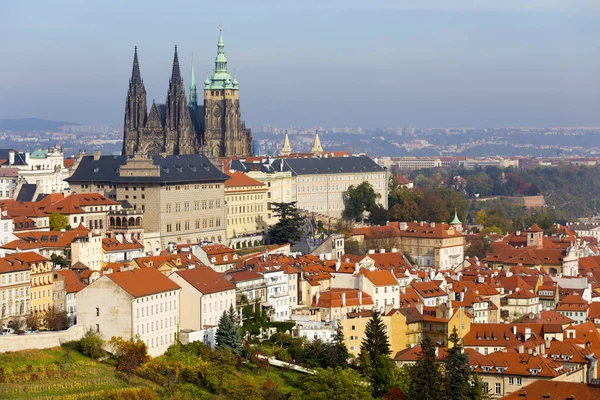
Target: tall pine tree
457 371
427 382
227 336
376 341
289 227
339 351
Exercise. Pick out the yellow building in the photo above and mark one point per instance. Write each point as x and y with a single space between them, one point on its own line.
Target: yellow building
41 285
246 200
355 324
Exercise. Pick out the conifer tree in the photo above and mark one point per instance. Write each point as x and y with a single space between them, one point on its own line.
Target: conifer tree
457 370
227 336
339 356
427 382
376 342
233 315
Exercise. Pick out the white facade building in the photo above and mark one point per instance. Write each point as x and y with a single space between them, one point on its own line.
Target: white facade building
278 294
139 302
205 296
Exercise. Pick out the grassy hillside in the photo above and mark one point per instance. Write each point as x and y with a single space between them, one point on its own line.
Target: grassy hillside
61 373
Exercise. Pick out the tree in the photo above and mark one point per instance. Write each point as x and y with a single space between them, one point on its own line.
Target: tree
334 384
130 354
91 344
289 227
233 315
33 321
55 320
376 342
339 353
426 382
58 222
480 247
59 260
404 205
359 199
378 215
457 370
227 336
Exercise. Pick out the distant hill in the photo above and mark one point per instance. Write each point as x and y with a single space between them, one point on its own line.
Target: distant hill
31 124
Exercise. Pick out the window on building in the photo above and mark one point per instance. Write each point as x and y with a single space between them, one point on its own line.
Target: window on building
97 311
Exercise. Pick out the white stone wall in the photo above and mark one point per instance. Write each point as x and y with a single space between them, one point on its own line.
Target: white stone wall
214 304
40 340
156 320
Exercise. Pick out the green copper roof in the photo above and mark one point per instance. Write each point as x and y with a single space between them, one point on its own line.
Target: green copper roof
220 78
39 154
455 221
193 95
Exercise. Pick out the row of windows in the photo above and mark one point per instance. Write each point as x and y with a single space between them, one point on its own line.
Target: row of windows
10 294
154 325
244 220
246 197
20 277
206 223
340 177
196 186
151 310
187 206
243 209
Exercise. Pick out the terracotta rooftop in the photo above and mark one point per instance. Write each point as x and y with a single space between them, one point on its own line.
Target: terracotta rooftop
240 180
555 390
72 282
206 280
143 282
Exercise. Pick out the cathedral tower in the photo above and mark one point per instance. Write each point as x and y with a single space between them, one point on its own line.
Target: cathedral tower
135 109
225 133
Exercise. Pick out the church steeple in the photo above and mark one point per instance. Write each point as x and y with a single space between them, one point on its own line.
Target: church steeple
316 147
287 148
193 95
136 76
221 78
176 72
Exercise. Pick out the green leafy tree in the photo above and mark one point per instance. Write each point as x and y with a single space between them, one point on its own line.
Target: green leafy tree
457 371
58 222
426 380
227 336
289 227
91 344
480 247
59 260
334 384
378 215
376 341
359 199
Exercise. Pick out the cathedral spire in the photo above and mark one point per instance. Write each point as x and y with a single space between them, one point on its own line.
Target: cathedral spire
136 76
317 149
287 148
220 78
193 95
176 74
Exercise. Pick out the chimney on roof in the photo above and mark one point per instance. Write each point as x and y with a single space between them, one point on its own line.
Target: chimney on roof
97 154
11 157
518 233
317 297
462 296
360 297
119 238
521 349
527 333
530 351
382 251
480 279
322 257
419 307
514 330
128 237
432 224
394 250
356 268
403 226
421 223
548 342
343 299
371 251
338 264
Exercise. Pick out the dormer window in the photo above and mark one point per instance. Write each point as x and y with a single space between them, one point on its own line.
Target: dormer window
225 258
485 369
534 371
501 369
213 259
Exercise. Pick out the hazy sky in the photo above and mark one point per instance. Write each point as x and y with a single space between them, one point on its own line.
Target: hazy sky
351 63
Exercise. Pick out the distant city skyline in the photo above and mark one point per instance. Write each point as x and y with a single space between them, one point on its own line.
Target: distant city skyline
335 63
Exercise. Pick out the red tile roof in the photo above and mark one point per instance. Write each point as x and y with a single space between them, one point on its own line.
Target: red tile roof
112 244
555 390
19 261
240 180
72 282
333 298
206 280
143 282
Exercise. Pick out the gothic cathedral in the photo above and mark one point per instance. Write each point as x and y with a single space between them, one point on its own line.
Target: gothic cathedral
184 127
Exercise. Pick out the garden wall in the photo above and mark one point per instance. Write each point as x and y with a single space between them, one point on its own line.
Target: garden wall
41 340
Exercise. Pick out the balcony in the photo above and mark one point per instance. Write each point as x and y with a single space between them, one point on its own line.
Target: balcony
124 222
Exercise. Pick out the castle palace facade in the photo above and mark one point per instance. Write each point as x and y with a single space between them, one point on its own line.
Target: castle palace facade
182 126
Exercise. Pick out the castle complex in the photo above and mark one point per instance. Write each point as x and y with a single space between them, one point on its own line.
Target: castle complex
182 126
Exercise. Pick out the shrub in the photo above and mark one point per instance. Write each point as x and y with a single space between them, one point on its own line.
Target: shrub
91 345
